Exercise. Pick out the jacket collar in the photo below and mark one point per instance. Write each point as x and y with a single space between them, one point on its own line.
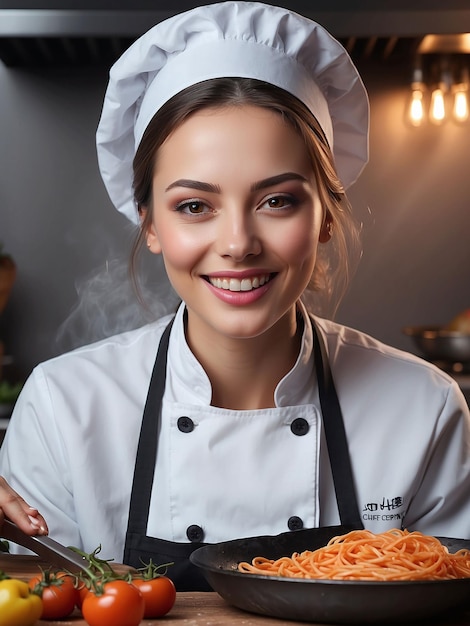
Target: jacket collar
187 379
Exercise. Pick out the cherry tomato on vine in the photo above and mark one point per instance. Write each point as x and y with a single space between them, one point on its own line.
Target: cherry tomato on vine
119 604
159 595
82 591
58 594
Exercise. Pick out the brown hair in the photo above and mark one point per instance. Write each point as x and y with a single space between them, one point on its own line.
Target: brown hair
337 259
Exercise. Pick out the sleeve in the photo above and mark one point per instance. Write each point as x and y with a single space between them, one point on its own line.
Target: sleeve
33 459
441 505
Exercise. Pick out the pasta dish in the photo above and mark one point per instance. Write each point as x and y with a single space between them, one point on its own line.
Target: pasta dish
362 555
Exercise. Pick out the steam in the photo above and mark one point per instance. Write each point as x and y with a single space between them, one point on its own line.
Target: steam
108 303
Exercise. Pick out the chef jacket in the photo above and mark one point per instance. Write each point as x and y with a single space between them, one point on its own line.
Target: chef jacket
71 444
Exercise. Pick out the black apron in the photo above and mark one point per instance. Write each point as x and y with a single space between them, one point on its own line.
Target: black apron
140 549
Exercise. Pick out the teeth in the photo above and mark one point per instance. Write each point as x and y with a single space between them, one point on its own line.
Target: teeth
234 284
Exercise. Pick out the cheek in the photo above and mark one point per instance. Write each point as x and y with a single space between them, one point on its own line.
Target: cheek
180 248
300 245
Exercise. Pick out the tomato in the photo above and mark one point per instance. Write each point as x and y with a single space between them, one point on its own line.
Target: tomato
120 604
58 594
82 591
159 595
18 605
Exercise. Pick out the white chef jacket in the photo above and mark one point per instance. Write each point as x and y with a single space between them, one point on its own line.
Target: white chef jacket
71 445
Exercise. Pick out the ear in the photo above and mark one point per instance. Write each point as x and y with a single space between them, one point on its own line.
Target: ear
150 233
326 229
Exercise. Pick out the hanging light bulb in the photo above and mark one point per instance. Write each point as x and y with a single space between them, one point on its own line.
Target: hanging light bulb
416 111
461 105
416 103
437 113
416 107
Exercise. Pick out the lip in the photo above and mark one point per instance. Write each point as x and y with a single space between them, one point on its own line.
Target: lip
239 298
240 274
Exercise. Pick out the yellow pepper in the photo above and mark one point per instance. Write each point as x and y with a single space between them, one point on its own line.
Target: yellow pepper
18 605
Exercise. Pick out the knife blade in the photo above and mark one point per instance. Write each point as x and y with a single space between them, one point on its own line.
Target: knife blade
48 549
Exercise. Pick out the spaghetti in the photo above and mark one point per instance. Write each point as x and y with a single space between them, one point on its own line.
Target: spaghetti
362 555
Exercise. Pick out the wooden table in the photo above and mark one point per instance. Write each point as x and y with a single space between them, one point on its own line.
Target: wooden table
190 609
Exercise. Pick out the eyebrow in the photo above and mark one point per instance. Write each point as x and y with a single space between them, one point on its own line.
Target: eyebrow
276 180
261 184
194 184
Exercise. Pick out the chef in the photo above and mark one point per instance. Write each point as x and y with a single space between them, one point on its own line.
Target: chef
228 135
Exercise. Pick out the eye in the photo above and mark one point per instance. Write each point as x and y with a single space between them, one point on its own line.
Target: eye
192 207
279 202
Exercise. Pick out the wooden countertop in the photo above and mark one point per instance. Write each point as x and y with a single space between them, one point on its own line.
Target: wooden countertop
190 609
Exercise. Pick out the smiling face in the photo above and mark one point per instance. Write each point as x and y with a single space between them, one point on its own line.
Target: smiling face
237 218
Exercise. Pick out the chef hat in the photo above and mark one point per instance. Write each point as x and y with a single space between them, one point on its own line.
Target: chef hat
231 39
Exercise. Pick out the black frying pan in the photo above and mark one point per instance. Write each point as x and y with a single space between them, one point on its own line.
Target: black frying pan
327 601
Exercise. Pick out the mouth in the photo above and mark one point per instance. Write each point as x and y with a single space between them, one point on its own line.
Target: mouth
239 284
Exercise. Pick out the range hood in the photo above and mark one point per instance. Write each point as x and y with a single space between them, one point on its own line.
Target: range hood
84 33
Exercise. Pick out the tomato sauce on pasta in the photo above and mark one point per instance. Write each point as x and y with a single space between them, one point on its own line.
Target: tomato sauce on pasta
362 555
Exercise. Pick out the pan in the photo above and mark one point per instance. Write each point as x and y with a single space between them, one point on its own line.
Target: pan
325 601
438 344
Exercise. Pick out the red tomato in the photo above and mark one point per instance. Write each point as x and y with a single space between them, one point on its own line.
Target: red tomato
82 591
121 604
58 594
159 594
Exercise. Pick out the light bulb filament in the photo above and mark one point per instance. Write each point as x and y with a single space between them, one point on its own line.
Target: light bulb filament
461 106
438 111
416 107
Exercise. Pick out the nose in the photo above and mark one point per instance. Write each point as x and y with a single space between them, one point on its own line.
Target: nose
238 236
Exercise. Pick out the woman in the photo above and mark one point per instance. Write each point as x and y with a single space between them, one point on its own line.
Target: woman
229 134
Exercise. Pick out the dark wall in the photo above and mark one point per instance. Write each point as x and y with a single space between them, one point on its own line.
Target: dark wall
58 223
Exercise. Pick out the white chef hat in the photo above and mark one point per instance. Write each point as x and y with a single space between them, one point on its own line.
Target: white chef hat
231 39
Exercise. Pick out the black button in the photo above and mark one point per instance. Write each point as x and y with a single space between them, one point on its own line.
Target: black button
300 426
295 523
194 533
185 424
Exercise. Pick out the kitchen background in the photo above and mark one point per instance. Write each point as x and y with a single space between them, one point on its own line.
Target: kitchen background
61 229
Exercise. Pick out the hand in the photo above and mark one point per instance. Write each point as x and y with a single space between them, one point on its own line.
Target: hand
18 511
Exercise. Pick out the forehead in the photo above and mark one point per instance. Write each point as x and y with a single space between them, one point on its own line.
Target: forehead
234 134
243 113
